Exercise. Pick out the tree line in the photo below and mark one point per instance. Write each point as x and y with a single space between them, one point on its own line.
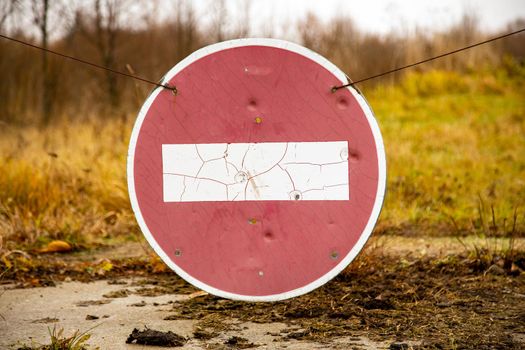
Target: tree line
40 88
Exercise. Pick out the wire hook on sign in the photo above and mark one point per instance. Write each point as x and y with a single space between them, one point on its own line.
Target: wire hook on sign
335 88
166 86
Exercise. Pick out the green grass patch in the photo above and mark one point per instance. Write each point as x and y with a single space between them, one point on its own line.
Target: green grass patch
450 140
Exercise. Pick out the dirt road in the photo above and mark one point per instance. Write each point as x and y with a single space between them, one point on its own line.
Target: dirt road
402 293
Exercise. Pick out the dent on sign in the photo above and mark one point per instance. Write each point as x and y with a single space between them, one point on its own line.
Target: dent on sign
258 181
255 171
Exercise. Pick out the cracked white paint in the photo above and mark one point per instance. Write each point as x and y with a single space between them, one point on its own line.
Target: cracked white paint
255 171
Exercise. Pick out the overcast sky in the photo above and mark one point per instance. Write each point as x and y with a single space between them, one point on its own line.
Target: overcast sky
279 17
379 16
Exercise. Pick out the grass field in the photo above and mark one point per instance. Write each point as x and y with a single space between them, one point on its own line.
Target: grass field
455 154
455 148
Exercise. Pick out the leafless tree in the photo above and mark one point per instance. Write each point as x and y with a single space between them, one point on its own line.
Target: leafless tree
220 18
107 24
184 29
41 10
513 46
7 9
310 30
243 24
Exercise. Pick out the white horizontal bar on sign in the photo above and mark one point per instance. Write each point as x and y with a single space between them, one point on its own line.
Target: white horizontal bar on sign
255 171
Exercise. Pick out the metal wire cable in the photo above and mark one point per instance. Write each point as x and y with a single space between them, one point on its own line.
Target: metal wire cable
335 88
172 88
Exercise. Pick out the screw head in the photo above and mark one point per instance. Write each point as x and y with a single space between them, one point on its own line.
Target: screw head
296 195
344 154
241 177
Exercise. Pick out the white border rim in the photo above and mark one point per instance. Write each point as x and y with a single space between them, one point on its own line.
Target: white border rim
374 215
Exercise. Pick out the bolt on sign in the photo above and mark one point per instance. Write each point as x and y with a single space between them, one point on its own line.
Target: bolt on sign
256 181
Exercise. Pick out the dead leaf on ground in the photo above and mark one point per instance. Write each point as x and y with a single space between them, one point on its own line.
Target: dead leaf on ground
46 320
155 338
56 247
200 293
6 261
86 303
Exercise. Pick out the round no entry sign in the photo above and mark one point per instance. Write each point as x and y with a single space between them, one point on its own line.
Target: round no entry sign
256 181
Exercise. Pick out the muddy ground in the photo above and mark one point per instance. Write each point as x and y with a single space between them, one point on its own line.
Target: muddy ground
420 293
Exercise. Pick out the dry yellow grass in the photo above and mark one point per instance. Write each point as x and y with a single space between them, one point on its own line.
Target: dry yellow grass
65 182
450 139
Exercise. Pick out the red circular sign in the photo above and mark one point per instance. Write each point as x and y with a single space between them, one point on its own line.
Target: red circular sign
256 181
